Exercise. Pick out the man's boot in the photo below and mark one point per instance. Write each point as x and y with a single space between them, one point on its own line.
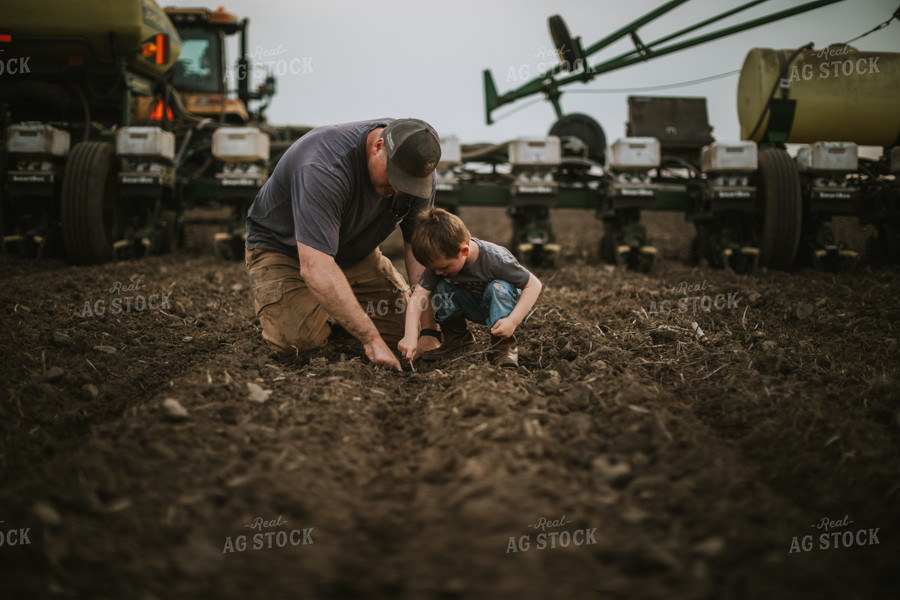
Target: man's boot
504 351
456 338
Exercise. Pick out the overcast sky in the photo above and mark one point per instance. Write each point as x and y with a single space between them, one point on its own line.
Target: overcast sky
352 60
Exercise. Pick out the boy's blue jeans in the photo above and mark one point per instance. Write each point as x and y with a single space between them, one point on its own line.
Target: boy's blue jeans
497 302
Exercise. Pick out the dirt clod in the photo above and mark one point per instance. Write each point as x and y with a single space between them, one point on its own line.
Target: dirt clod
257 393
174 410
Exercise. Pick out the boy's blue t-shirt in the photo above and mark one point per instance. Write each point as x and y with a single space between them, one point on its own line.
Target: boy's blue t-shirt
493 262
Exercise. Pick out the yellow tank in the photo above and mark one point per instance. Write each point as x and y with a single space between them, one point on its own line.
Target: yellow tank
133 21
842 94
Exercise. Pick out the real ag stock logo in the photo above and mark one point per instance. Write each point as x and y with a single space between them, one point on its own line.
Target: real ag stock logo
548 58
834 536
129 298
688 300
265 61
845 67
550 537
266 540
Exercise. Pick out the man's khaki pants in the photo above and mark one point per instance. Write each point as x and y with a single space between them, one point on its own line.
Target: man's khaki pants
291 316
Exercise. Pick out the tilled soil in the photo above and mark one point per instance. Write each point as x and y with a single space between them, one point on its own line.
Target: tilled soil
627 457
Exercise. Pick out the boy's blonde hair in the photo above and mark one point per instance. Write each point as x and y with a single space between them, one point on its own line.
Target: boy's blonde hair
438 236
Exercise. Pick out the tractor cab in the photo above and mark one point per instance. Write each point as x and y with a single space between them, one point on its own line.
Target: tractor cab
200 73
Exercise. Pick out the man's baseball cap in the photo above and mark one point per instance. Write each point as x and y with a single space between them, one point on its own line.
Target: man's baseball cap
413 151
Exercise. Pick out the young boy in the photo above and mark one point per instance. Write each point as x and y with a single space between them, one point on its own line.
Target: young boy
470 279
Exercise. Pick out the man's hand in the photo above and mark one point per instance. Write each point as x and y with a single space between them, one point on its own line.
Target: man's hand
504 327
330 287
379 353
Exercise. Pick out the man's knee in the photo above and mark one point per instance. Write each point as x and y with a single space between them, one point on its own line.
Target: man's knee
281 341
286 335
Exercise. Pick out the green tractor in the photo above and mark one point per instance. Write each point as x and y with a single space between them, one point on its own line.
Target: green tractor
117 120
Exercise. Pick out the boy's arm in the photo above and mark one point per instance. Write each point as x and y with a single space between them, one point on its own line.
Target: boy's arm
507 326
414 272
408 346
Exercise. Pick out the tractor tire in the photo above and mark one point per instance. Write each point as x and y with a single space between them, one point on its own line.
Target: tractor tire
781 203
88 203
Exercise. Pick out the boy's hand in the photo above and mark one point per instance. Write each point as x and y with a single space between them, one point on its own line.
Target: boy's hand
408 347
504 327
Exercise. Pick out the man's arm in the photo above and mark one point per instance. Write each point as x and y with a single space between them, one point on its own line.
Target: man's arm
507 326
414 272
330 287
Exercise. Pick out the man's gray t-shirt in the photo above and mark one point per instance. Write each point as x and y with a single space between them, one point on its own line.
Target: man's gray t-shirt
320 194
493 262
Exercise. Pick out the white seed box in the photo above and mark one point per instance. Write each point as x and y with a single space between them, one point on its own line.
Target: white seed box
527 152
451 154
729 157
145 141
35 138
634 153
240 144
837 157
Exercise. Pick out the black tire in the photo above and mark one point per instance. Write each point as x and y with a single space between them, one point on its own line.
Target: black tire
563 42
781 204
88 203
586 129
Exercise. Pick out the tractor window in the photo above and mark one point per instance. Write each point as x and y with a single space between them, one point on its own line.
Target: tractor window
199 68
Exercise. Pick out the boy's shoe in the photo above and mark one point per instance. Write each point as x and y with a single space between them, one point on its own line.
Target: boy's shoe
504 352
457 337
